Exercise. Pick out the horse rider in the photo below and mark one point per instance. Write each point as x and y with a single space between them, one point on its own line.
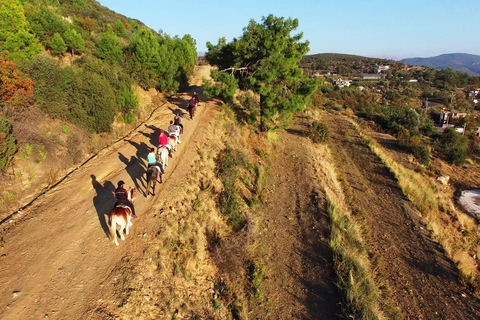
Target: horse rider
163 141
192 104
174 130
152 162
122 197
195 97
178 122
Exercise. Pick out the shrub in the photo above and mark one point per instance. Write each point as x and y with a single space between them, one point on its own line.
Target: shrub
57 45
318 132
454 146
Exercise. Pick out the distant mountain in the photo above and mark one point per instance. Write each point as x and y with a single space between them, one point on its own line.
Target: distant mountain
464 62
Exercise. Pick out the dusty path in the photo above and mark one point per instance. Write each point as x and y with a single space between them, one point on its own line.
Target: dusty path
424 282
300 283
56 259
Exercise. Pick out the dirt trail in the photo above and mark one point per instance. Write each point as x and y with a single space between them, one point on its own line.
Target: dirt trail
56 258
424 282
300 283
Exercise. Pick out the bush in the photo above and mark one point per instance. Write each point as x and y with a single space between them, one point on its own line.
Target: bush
454 146
318 132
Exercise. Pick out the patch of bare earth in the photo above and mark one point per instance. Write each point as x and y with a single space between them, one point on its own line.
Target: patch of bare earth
293 237
422 282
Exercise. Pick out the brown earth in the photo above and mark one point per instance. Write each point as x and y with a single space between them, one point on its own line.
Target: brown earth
424 283
55 255
56 260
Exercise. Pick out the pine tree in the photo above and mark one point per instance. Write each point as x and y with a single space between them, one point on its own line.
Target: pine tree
265 60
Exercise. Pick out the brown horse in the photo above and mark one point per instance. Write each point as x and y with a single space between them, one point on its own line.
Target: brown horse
121 215
152 173
191 110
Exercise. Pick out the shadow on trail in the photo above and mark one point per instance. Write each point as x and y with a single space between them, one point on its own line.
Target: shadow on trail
134 169
153 136
103 201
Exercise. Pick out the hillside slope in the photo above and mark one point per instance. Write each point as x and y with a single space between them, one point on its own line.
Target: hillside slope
464 62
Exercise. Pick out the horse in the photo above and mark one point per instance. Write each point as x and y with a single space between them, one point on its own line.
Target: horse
121 215
172 142
152 173
162 155
191 110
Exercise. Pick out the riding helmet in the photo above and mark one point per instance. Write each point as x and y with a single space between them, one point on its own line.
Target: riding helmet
120 183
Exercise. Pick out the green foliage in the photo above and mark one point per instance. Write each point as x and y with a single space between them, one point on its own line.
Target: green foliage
45 24
57 45
129 101
16 39
94 114
265 60
53 85
84 93
318 132
143 56
226 85
109 48
454 146
74 41
120 29
8 144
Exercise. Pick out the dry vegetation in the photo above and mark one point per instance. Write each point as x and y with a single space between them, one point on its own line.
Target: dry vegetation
457 232
199 262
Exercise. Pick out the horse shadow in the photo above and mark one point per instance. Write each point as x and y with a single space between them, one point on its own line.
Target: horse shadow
152 136
179 111
102 206
135 166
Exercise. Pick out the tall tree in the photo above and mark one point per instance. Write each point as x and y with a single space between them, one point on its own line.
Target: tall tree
109 48
265 60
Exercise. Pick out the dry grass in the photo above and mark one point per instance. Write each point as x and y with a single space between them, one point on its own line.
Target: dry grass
352 265
457 232
196 265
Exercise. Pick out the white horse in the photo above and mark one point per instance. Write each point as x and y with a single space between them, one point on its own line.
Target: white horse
121 215
162 155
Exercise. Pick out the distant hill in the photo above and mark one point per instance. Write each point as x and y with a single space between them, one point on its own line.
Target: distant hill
464 62
342 63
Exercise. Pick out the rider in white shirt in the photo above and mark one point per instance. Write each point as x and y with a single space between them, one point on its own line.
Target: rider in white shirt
174 130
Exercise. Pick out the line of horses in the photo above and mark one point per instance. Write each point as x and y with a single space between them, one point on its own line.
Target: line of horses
121 215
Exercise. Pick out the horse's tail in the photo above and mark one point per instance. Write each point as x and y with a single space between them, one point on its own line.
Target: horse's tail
113 226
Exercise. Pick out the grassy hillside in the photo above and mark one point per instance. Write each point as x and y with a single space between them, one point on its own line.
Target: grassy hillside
75 77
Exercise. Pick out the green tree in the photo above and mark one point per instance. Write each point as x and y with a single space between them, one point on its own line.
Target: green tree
57 45
143 56
455 146
74 41
109 48
120 29
45 24
265 60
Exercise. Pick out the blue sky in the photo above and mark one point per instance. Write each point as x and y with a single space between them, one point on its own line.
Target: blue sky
394 29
